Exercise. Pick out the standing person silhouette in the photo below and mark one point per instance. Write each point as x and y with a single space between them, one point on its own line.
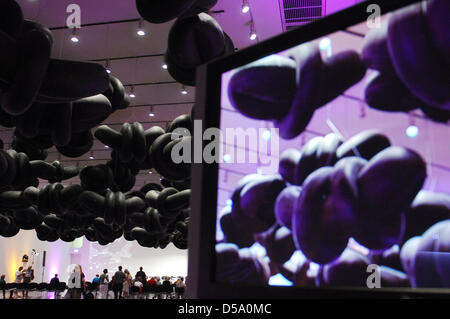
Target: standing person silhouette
142 275
28 277
3 285
119 278
75 283
19 277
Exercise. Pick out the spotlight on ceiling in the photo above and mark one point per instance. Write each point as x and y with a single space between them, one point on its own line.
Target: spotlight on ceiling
184 90
108 66
140 31
266 135
132 94
74 37
324 44
91 157
325 47
253 34
245 7
151 113
412 131
164 66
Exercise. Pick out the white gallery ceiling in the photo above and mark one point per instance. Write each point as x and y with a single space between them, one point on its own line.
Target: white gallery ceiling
108 33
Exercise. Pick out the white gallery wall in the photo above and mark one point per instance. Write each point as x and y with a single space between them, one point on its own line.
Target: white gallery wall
170 261
60 257
12 249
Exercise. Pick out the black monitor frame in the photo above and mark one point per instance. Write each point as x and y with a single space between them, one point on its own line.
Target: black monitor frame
202 225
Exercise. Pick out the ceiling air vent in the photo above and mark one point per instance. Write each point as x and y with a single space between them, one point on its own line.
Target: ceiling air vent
297 12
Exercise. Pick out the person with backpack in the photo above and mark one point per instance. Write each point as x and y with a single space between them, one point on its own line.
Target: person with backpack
103 282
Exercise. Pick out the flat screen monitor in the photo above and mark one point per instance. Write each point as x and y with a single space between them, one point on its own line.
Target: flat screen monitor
321 160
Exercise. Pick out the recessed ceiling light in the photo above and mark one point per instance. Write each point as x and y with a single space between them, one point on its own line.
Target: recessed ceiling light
151 113
141 31
266 135
108 66
253 34
74 37
132 94
245 7
325 47
412 131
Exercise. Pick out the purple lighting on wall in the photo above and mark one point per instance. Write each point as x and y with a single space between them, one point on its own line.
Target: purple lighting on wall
54 257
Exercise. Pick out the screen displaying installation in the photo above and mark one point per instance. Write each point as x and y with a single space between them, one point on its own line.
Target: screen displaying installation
334 164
